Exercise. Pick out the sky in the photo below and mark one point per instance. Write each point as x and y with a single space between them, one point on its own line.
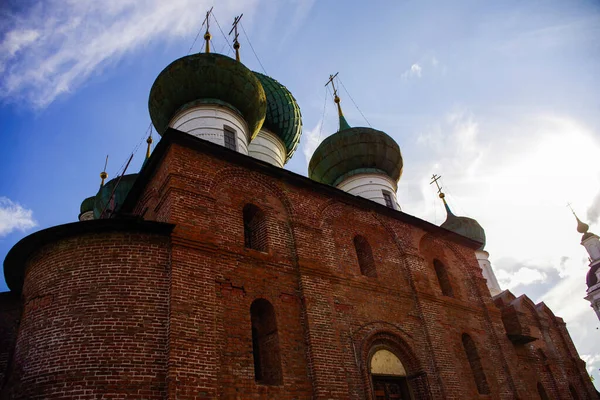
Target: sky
499 98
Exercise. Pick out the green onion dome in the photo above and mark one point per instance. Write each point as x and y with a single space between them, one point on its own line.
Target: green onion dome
353 151
464 226
283 116
87 205
103 201
204 76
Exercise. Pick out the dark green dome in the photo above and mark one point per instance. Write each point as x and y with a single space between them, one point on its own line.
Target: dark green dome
87 205
464 226
207 76
283 114
102 201
355 151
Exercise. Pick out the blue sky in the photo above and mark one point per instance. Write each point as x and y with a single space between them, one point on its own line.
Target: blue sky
500 98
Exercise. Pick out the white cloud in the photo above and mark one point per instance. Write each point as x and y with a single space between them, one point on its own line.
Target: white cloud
311 140
13 216
434 61
415 71
56 45
593 211
523 276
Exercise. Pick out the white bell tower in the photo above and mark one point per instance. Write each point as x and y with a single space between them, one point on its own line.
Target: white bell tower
591 242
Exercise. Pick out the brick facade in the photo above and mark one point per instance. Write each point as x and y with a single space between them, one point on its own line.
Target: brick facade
133 315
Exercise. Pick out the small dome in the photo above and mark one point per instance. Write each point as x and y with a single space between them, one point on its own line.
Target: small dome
283 116
103 201
582 227
207 76
464 226
591 278
87 205
354 151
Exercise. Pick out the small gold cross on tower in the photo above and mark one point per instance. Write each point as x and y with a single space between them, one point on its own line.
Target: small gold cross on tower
207 35
236 44
434 179
336 99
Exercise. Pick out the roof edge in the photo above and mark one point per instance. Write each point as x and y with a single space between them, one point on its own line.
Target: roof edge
19 254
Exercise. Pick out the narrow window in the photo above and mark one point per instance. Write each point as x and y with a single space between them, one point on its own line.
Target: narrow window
442 276
387 196
475 363
365 256
229 135
542 392
265 343
255 228
574 394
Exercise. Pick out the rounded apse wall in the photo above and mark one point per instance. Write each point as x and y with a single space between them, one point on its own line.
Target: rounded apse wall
94 318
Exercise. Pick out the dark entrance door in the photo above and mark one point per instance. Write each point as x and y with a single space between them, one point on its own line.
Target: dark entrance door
390 388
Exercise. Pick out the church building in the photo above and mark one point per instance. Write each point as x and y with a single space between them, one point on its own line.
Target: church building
214 272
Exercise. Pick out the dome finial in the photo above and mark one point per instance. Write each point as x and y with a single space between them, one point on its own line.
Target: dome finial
103 174
207 35
582 227
149 141
236 44
434 179
343 123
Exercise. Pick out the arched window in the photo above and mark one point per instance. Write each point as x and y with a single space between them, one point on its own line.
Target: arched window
265 343
365 256
475 363
574 394
443 280
255 228
388 376
542 392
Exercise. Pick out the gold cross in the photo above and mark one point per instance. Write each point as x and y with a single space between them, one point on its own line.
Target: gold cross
331 78
434 179
236 44
207 36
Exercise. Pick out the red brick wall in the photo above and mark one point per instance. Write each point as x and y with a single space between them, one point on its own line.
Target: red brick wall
330 315
94 320
10 314
140 313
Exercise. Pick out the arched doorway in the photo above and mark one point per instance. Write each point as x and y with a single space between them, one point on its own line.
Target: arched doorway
388 376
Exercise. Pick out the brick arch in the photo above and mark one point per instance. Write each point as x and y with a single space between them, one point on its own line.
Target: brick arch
224 175
357 223
474 358
435 252
145 201
391 339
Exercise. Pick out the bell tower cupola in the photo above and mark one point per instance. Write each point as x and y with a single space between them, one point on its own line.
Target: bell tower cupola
591 242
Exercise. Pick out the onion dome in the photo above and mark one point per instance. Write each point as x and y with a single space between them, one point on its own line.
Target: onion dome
464 226
87 205
283 116
207 78
353 151
111 196
582 227
591 278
